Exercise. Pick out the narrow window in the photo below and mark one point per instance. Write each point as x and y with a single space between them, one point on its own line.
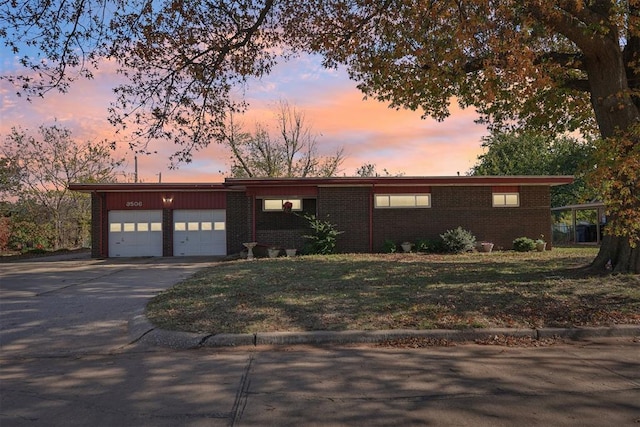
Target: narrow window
384 201
272 205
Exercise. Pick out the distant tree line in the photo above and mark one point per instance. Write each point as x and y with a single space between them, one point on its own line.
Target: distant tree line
37 211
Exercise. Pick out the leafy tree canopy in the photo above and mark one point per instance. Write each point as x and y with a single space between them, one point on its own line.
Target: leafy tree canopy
527 153
48 161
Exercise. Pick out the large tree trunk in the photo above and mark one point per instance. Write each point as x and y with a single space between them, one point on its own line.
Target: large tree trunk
616 114
617 256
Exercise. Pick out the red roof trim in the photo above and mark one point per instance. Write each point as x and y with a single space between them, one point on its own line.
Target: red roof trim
402 181
252 184
150 187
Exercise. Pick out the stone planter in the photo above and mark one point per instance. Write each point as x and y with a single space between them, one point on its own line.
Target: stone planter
485 247
406 247
541 246
273 252
291 252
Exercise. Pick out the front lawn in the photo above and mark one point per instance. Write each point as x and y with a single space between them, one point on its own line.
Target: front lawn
399 291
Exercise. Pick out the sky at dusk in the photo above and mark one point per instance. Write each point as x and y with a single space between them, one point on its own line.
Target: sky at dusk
370 132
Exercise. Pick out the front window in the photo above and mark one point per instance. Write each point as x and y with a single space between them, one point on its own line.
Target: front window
384 201
273 205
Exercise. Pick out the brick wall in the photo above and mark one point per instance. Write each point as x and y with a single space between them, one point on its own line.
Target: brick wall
167 232
470 208
99 226
239 221
348 208
467 206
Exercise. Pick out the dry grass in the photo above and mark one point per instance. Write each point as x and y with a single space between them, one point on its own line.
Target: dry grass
399 291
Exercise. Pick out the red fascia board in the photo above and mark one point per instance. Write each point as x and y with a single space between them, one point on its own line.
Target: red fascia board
401 181
283 190
147 187
254 184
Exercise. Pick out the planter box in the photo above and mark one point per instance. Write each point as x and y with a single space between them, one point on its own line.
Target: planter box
484 247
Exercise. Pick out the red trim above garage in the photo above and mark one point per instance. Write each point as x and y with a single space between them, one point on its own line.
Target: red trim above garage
167 199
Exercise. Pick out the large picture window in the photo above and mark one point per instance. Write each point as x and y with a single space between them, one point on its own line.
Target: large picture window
273 205
390 201
506 200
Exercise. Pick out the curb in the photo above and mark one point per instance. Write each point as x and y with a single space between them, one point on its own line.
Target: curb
142 331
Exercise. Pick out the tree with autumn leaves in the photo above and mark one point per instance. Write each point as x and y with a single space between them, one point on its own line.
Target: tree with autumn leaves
541 65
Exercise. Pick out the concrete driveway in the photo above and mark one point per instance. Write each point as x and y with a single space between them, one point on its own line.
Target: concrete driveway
76 304
67 360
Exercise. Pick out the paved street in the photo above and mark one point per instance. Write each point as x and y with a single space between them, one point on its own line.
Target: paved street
67 359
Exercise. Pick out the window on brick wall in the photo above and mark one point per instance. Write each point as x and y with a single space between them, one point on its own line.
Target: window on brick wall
273 205
506 200
391 201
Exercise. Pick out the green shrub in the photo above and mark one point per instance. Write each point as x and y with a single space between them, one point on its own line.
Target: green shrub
36 251
524 244
323 239
458 240
389 247
431 246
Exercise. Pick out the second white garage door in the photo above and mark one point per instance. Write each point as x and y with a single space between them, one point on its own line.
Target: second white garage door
199 232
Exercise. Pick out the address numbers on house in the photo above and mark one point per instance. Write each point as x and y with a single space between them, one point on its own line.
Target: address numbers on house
134 204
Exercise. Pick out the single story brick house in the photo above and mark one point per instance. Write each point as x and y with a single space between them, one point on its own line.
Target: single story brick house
175 219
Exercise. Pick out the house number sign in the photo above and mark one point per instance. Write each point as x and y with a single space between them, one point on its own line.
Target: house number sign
134 204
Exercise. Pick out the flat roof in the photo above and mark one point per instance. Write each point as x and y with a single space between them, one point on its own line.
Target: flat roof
144 186
406 180
231 184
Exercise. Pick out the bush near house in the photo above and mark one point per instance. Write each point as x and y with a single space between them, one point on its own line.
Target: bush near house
458 240
524 244
389 247
322 240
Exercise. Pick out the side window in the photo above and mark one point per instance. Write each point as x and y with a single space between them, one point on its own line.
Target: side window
506 200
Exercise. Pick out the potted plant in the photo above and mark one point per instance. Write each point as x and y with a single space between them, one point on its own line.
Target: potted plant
484 246
541 245
406 246
273 252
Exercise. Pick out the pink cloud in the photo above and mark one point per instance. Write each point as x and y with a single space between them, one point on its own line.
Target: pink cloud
369 131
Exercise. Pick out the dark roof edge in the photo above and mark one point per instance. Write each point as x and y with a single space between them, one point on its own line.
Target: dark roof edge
231 184
406 180
120 186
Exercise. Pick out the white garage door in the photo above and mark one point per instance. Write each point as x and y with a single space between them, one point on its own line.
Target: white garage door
135 233
199 232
